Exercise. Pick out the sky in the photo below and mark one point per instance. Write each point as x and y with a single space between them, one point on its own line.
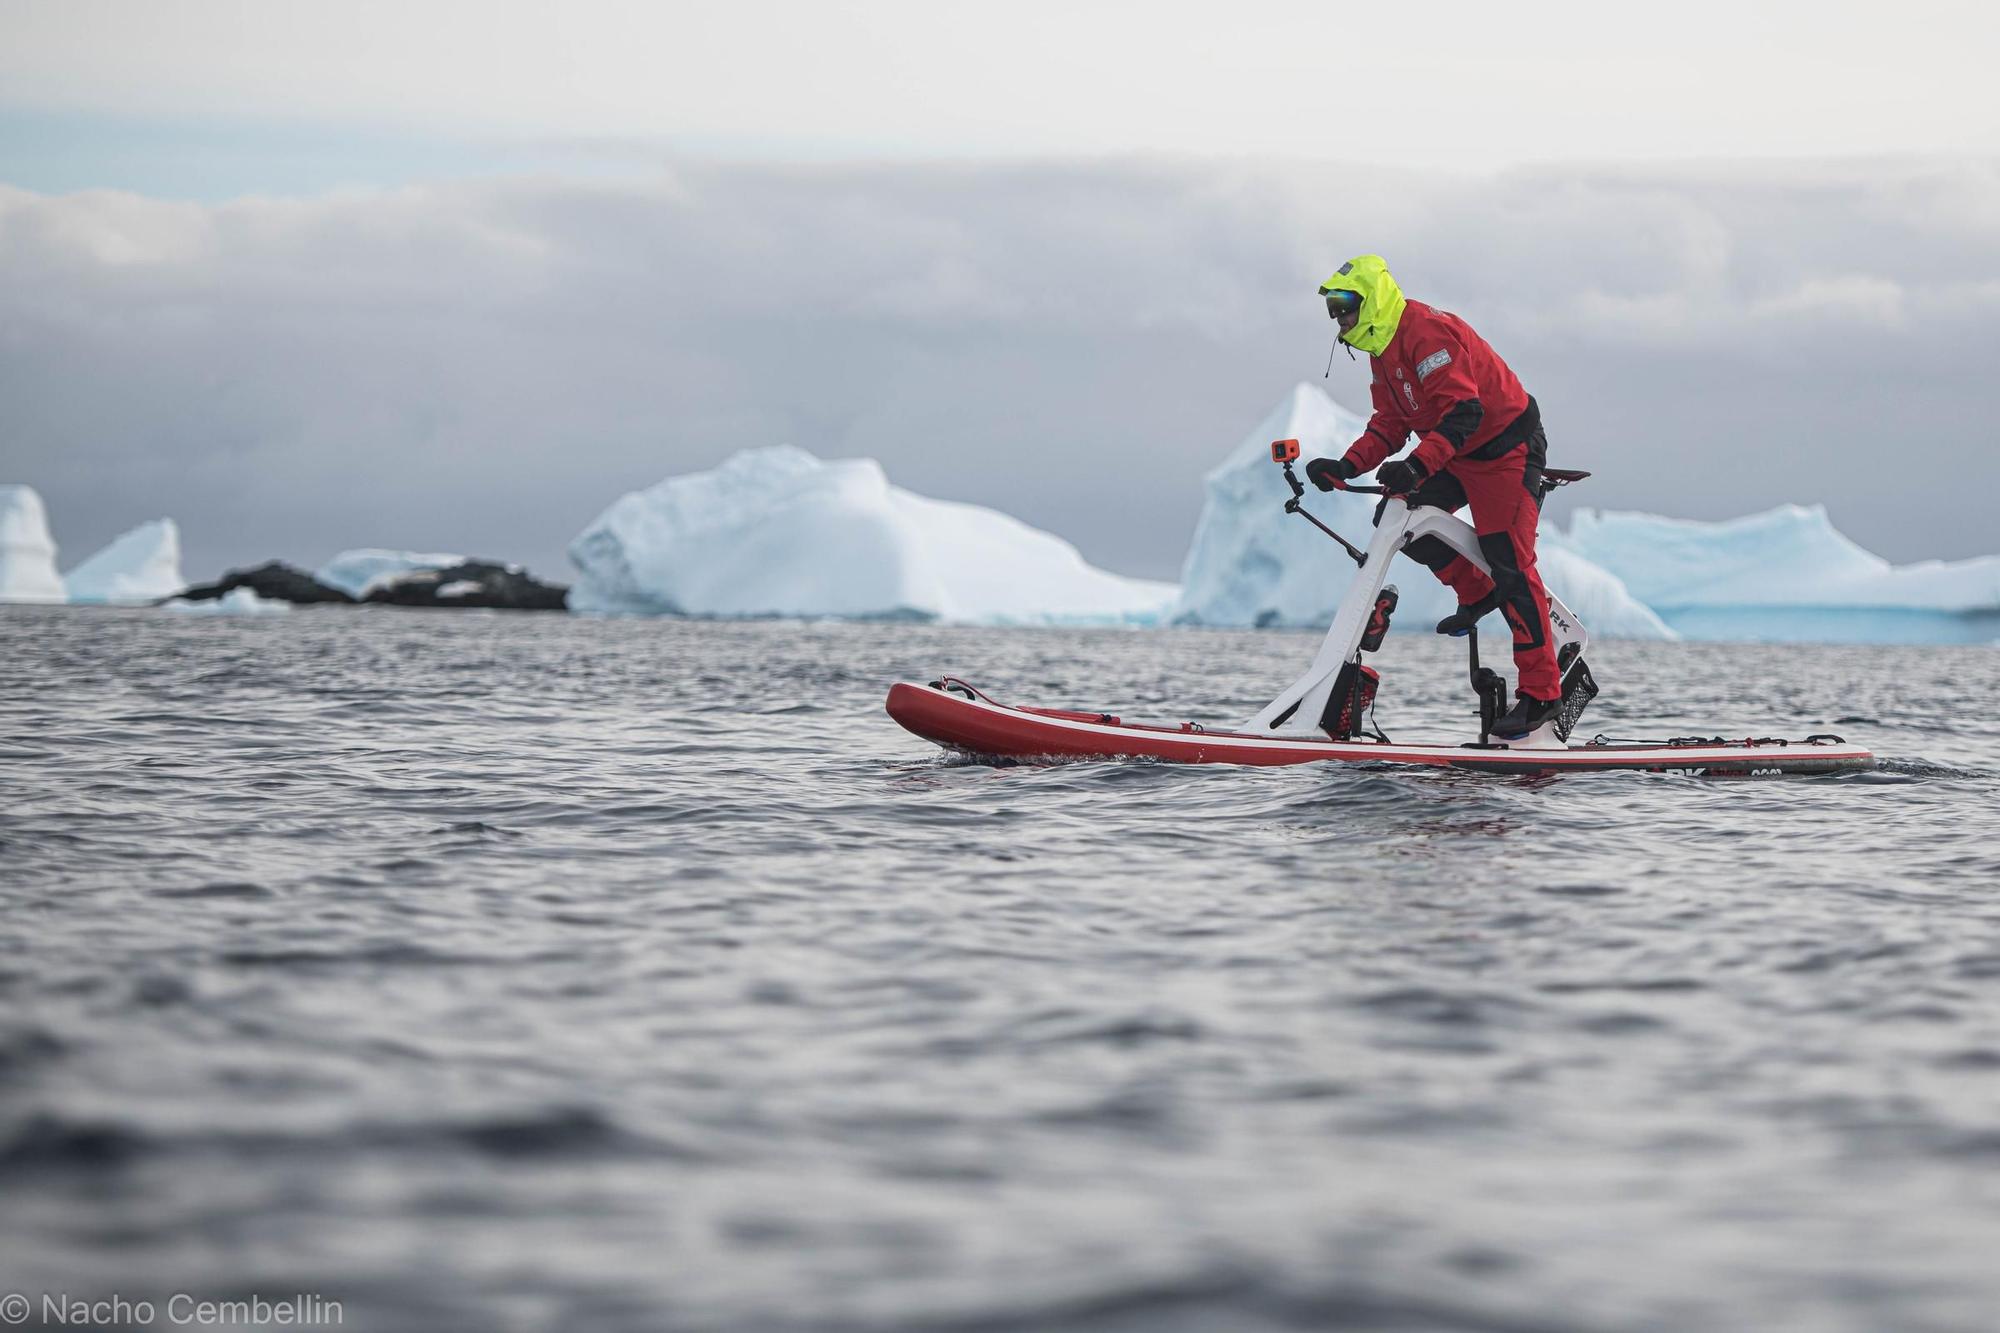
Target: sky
455 276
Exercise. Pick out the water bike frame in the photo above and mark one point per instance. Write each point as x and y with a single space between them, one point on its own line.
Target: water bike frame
1300 707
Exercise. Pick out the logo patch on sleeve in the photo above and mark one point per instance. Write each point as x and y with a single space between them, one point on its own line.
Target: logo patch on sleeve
1437 360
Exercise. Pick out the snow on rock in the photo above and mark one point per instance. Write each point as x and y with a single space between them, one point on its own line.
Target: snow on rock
273 581
235 602
777 531
144 565
27 552
358 572
1253 564
471 584
1785 557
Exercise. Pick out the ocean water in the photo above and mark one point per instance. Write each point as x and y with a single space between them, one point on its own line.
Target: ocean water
522 972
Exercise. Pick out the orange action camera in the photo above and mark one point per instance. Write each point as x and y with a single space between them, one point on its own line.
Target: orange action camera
1284 451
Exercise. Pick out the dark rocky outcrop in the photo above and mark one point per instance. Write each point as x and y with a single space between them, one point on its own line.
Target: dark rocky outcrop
273 580
472 583
468 584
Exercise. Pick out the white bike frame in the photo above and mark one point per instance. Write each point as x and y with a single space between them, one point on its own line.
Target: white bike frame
1303 702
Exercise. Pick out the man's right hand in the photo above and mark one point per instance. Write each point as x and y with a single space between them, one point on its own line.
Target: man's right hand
1329 473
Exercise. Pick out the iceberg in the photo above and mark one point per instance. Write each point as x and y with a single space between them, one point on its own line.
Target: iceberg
1253 564
358 572
778 532
27 552
144 565
1788 574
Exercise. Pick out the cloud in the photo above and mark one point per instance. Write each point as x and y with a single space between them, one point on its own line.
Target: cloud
482 366
1482 83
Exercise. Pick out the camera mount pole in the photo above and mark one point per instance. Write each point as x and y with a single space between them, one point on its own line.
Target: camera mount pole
1285 451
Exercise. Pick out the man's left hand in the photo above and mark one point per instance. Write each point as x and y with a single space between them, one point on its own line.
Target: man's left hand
1401 476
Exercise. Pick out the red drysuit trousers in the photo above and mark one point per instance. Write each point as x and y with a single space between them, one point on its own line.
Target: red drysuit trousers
1506 498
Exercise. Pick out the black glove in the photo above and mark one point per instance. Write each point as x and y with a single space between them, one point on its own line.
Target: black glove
1401 476
1328 473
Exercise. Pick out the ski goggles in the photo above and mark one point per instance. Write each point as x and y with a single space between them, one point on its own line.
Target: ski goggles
1340 302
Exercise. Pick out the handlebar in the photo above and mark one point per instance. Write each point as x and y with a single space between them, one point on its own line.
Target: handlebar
1286 452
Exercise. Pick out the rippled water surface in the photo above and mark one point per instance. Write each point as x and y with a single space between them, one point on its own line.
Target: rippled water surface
496 972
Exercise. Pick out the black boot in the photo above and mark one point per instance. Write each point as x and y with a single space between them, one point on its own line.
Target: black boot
1527 714
1463 619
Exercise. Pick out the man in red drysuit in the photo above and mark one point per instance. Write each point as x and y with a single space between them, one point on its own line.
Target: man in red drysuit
1479 441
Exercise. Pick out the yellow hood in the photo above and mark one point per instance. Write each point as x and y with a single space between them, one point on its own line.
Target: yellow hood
1381 301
